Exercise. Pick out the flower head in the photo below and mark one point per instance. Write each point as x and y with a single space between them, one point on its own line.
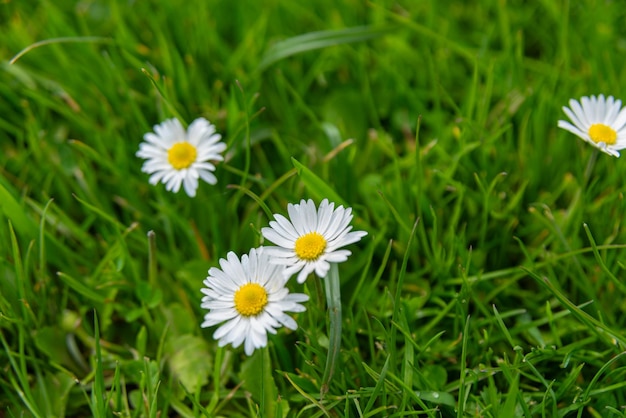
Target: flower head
177 157
311 239
598 121
250 298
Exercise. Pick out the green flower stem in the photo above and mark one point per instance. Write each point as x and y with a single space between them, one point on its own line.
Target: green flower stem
589 169
333 302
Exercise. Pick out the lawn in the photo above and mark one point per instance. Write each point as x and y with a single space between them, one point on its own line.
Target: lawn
487 252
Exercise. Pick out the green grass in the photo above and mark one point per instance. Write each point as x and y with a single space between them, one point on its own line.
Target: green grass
491 281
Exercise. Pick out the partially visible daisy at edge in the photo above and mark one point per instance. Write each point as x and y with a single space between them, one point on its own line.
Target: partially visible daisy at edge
175 156
310 240
250 298
598 121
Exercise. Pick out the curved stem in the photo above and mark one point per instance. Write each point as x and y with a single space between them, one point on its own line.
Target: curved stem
333 302
589 168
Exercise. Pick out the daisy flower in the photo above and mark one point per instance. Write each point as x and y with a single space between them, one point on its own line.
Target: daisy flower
598 121
177 157
250 298
311 239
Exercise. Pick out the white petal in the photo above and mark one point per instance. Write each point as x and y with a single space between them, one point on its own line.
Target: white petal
190 184
203 166
600 109
572 116
198 130
573 129
284 227
589 109
620 120
310 218
580 114
324 216
295 217
338 256
612 109
274 237
347 239
321 268
288 321
174 184
208 177
297 297
335 222
294 268
306 270
227 328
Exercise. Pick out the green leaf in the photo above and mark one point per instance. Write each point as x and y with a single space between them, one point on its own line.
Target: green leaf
180 319
15 212
151 296
436 374
443 398
190 361
53 391
141 341
47 341
256 374
508 409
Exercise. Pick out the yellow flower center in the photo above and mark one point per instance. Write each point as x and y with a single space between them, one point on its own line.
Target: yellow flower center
310 246
181 155
599 132
250 299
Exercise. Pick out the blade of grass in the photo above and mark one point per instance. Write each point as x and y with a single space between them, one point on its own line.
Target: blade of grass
81 288
462 398
332 286
397 298
318 40
69 39
378 387
318 187
603 266
98 394
608 336
14 211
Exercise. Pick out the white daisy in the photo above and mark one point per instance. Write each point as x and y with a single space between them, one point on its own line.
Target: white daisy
311 239
250 298
175 156
598 121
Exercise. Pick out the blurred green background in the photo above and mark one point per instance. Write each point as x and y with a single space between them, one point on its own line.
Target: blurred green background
505 300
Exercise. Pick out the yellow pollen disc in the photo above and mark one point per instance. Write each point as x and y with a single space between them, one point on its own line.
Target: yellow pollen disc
181 155
250 299
599 132
310 246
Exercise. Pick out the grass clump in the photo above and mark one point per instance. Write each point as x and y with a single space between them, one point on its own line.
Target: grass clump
491 279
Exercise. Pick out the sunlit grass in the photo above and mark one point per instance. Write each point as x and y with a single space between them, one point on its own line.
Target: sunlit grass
491 279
